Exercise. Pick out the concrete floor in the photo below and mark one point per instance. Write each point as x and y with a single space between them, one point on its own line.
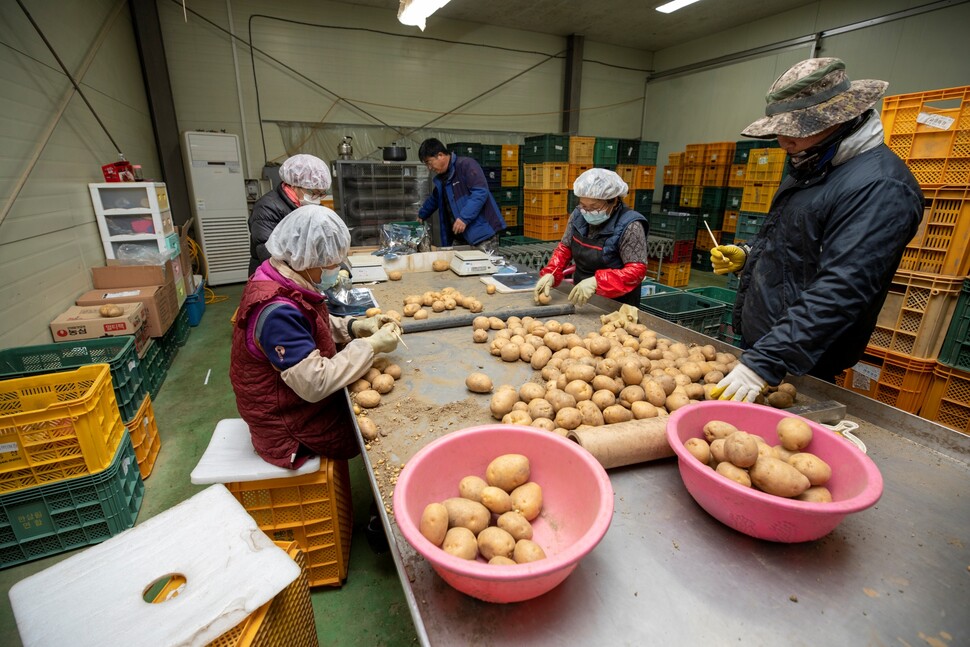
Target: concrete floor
370 608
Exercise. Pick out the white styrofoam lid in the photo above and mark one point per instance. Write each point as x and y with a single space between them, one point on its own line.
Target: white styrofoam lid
95 597
231 458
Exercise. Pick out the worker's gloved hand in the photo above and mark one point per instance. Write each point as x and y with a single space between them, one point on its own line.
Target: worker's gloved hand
727 258
384 340
742 385
582 291
370 325
543 285
629 313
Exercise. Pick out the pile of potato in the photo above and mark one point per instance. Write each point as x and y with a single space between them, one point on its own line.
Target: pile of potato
447 299
367 391
784 470
463 526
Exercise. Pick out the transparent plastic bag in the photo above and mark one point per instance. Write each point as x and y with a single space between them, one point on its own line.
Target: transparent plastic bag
133 254
398 239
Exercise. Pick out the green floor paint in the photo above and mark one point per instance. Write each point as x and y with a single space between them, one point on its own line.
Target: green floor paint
370 608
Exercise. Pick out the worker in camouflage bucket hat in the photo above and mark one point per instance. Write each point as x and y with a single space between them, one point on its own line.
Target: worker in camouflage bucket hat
814 278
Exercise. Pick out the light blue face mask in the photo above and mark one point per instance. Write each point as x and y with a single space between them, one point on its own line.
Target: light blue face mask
328 279
595 217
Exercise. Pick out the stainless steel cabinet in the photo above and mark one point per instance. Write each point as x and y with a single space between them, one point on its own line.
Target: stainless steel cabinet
368 194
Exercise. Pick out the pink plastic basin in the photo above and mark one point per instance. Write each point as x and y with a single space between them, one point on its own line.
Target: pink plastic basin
576 512
856 483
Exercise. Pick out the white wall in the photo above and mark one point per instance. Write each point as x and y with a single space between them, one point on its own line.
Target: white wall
48 234
924 52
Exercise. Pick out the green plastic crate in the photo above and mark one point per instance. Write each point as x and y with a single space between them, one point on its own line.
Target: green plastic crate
688 310
749 224
733 199
741 149
673 226
650 288
670 197
701 260
50 519
510 196
647 155
154 367
627 151
605 151
544 148
491 155
724 295
467 149
956 346
714 198
117 352
643 201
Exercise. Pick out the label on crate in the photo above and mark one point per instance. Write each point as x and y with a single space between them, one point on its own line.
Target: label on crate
6 448
863 375
935 121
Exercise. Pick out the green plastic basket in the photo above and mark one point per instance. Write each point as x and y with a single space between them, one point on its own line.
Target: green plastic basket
688 310
117 352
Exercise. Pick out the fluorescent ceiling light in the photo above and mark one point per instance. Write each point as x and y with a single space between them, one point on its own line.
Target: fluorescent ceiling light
673 6
414 12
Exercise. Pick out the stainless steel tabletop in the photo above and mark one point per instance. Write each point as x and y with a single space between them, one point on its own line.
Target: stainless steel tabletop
667 572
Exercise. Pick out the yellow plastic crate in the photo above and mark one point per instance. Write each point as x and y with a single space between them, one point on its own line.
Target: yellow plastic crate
545 202
630 199
676 159
694 154
510 215
510 155
56 426
690 196
691 174
314 510
546 227
730 223
672 175
510 176
144 436
581 150
716 175
757 197
627 173
545 176
574 171
736 176
718 153
674 275
765 165
646 178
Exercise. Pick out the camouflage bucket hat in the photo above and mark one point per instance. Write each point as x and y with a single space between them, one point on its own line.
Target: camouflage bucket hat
811 96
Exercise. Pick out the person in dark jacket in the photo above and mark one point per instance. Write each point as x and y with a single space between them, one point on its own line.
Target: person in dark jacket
291 358
814 278
304 179
605 239
467 211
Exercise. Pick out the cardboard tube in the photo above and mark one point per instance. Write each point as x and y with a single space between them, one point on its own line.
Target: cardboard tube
625 443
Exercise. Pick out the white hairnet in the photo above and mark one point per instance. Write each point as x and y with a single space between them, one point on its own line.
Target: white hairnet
307 172
600 184
311 236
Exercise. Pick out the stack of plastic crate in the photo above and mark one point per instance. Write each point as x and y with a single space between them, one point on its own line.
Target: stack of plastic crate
66 480
762 175
545 186
916 359
672 269
509 195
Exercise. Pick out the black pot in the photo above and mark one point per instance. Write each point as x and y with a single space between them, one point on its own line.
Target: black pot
395 153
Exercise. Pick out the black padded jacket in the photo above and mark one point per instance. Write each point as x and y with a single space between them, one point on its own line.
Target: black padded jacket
267 213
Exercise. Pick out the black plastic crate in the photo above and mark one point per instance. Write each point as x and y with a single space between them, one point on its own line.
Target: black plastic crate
670 197
643 201
493 175
628 151
491 155
544 148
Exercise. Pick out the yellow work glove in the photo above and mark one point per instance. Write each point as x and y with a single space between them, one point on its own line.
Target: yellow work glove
582 291
727 258
368 326
543 286
384 340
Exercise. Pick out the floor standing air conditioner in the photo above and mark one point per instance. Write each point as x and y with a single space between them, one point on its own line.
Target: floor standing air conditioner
218 197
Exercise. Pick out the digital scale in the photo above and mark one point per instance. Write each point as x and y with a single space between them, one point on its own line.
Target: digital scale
365 268
471 262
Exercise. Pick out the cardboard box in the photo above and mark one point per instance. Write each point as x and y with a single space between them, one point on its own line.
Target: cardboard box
160 302
117 275
87 323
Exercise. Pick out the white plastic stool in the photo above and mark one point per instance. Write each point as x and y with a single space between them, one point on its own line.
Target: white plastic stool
231 458
96 597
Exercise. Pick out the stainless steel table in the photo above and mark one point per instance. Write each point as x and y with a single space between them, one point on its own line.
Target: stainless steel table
667 572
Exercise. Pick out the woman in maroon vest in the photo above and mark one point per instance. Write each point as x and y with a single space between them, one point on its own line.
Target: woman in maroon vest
285 368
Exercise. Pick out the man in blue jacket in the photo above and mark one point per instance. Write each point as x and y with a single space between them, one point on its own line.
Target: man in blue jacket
815 277
467 212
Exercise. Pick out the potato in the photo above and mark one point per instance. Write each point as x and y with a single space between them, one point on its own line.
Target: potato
675 401
478 383
489 289
794 434
527 500
777 477
411 309
498 560
780 400
434 523
502 402
383 383
467 514
471 488
110 310
591 413
439 266
372 374
789 389
372 312
516 525
568 418
631 394
816 494
517 417
734 473
461 542
541 408
395 275
741 449
527 551
617 413
641 410
699 449
607 383
479 336
368 398
582 372
718 429
496 499
543 299
603 399
495 542
717 450
510 352
814 468
579 390
421 314
654 393
530 391
508 471
781 453
358 386
368 430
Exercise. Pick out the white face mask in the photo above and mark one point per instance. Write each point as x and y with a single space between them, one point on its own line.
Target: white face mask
595 217
305 200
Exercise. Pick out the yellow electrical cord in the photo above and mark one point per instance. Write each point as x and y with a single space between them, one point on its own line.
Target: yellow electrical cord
199 261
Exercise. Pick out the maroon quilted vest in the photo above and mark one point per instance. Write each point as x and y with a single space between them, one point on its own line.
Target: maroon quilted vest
281 423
